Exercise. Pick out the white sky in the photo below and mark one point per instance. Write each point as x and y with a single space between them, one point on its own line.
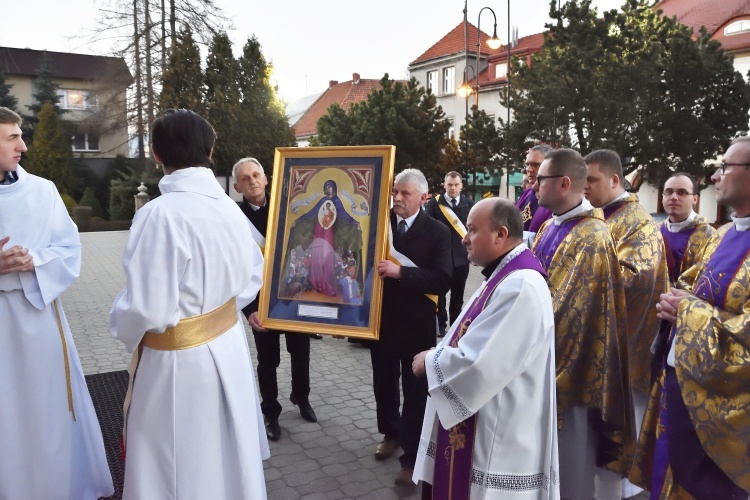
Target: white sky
309 41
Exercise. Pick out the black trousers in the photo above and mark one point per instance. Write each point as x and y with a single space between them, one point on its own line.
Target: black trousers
269 357
404 426
458 285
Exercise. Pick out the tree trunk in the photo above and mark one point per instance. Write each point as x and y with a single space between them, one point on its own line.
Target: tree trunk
163 36
138 90
149 66
172 22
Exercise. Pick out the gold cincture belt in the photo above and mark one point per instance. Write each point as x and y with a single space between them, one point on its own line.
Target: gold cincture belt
187 333
195 331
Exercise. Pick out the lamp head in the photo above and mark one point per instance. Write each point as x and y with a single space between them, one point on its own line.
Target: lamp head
494 43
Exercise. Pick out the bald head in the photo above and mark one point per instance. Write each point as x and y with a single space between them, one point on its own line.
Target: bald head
494 227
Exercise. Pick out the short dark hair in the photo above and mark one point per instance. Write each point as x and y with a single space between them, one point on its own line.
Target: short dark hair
685 174
506 214
452 173
182 138
9 116
568 162
608 160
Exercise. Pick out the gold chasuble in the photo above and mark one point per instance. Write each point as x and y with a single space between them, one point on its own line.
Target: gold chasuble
640 250
590 338
712 363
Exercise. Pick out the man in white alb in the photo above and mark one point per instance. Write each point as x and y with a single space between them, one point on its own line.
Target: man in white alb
50 441
194 426
490 428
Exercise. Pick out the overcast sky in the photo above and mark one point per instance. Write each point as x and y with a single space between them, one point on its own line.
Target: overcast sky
309 41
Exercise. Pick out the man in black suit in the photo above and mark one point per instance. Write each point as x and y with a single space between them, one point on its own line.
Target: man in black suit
447 208
407 324
251 182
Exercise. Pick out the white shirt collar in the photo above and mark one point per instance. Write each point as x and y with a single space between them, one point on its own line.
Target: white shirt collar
448 198
199 180
573 212
676 227
621 197
409 220
741 223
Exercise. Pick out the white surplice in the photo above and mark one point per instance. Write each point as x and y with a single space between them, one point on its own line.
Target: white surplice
503 370
44 452
195 429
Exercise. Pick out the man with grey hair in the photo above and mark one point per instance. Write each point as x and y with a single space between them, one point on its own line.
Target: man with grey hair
417 270
492 380
251 182
51 441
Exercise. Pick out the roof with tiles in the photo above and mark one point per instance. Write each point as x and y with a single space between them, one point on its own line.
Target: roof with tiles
526 45
65 65
453 43
344 94
711 14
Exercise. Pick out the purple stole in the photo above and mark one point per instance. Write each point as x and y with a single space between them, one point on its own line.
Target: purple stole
540 216
528 205
455 446
679 447
609 210
676 244
551 239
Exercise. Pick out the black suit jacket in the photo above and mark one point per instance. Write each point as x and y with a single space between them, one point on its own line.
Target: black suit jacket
259 218
458 250
408 317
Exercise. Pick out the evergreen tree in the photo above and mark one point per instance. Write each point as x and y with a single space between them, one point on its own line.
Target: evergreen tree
402 114
51 156
264 124
7 100
222 101
182 80
46 93
632 81
89 200
480 145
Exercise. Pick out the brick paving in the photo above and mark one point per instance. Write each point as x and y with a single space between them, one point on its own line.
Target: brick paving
330 459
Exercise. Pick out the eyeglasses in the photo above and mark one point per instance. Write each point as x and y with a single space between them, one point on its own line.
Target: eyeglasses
678 192
540 178
723 166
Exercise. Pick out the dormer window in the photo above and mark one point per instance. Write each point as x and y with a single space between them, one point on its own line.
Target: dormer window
737 27
501 70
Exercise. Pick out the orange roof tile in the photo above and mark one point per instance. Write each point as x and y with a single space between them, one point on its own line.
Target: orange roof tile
453 43
344 94
526 45
697 13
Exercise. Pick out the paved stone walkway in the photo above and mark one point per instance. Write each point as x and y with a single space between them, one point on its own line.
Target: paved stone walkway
330 459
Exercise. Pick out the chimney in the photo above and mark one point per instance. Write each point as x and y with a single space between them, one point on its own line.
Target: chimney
355 78
331 83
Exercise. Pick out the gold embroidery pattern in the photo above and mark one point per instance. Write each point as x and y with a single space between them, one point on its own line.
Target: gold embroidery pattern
712 361
697 243
640 250
590 340
526 213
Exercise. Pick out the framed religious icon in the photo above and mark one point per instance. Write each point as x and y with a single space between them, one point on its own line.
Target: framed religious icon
327 229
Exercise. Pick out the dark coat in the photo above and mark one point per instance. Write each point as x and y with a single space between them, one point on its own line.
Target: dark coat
458 250
408 317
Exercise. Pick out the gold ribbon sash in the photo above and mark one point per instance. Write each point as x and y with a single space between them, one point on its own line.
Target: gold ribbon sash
402 260
67 361
453 219
258 238
187 333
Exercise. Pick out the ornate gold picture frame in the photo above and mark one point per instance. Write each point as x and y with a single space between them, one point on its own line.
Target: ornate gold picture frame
327 224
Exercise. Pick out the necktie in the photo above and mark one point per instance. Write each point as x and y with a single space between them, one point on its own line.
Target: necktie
402 228
454 203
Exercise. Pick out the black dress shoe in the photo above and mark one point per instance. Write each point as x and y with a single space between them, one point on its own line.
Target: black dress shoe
305 410
441 332
273 431
317 336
